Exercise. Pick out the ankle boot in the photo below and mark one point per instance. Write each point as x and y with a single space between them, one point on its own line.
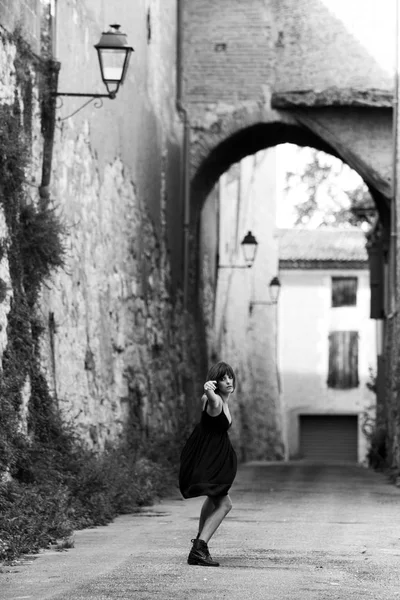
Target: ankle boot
200 555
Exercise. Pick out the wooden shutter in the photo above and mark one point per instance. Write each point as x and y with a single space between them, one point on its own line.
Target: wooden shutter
376 277
343 360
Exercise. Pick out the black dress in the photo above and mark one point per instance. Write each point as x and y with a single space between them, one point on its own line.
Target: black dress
208 460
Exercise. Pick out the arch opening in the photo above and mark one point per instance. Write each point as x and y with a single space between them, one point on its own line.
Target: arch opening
260 136
260 441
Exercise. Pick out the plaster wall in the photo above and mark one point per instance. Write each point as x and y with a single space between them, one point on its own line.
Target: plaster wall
305 320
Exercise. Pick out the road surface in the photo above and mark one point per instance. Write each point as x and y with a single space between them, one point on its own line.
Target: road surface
297 531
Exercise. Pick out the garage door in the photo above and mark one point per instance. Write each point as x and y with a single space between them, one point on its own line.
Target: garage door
332 437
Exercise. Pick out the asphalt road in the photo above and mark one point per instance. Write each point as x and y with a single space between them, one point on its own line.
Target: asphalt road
297 531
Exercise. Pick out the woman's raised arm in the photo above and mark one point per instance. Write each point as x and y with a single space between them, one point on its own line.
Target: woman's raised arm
213 398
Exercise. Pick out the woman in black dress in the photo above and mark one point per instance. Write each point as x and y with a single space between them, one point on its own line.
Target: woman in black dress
208 461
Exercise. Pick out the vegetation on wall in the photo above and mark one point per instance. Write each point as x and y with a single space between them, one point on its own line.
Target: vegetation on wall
374 430
50 482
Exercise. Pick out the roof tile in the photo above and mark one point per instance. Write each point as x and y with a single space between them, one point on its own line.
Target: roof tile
339 245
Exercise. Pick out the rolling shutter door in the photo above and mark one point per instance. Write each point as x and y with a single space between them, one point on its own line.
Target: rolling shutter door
329 437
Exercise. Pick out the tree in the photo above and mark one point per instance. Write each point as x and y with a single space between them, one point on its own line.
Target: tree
325 192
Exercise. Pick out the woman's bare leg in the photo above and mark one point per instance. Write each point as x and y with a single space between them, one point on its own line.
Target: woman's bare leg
222 506
206 510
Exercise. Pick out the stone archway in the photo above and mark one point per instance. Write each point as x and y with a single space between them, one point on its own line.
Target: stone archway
227 138
221 139
213 151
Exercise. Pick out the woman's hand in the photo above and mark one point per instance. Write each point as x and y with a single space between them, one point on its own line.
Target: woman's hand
214 399
210 386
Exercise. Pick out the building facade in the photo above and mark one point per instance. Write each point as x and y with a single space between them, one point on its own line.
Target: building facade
327 344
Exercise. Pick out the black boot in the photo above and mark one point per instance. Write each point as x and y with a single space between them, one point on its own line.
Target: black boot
199 555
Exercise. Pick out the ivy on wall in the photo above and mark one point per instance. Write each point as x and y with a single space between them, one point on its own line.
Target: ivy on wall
34 248
50 482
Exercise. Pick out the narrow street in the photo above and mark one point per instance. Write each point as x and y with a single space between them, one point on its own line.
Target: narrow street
297 531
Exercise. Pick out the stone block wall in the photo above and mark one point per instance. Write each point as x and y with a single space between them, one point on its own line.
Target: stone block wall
117 345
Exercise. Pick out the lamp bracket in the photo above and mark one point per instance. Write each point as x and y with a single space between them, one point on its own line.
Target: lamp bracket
265 302
234 266
91 97
111 95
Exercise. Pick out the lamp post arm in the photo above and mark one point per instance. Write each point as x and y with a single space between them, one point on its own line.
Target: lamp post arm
265 302
234 266
111 95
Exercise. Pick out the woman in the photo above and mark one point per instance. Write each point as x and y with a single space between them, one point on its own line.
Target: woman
208 461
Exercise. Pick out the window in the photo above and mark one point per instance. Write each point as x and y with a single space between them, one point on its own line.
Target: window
344 291
343 360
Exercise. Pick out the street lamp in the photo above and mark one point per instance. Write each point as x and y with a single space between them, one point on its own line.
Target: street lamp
274 291
114 53
249 246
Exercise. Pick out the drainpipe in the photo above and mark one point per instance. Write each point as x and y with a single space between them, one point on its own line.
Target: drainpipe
48 118
185 151
393 211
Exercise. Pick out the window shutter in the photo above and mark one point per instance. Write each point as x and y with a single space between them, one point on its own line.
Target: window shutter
344 291
343 360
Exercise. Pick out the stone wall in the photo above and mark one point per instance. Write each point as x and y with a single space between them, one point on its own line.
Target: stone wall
24 15
19 91
239 60
117 344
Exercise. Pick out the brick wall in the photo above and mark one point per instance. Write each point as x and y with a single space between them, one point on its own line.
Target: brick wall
240 50
229 52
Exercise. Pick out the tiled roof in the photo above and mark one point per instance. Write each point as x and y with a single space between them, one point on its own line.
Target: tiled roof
341 247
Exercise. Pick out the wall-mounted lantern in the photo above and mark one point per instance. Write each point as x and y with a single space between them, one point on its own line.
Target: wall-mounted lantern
114 53
274 291
249 246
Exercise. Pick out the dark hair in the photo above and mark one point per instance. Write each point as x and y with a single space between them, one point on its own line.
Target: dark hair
218 372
